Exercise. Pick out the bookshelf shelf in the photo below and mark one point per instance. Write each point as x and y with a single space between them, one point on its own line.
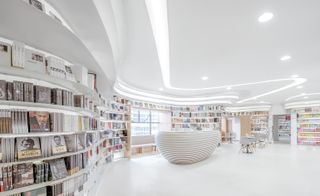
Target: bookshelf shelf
31 106
43 134
40 185
26 75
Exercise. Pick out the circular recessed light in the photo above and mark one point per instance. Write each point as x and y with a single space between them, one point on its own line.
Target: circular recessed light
294 76
229 88
204 78
265 17
285 58
160 89
299 86
305 97
303 94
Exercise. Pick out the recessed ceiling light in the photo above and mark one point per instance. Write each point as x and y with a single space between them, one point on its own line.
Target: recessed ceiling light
229 88
160 89
204 78
265 17
294 76
305 97
299 86
303 94
285 58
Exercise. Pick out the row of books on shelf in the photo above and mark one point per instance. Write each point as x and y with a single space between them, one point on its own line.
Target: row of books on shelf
194 115
25 174
307 129
145 105
17 122
309 141
196 126
309 135
28 92
114 116
307 110
20 56
197 120
28 148
113 125
256 113
315 126
120 100
198 108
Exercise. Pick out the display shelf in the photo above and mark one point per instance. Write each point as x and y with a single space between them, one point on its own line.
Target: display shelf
40 185
43 134
61 83
31 106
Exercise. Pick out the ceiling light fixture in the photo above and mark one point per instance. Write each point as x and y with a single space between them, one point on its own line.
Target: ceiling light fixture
229 88
204 78
299 87
285 58
294 76
160 89
265 17
305 97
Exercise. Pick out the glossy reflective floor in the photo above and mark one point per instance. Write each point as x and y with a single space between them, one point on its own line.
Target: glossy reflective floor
276 170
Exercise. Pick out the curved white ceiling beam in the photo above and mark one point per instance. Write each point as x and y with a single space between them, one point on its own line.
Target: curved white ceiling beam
248 108
142 97
126 88
157 10
302 104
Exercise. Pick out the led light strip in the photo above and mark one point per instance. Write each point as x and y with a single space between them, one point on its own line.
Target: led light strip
302 95
157 10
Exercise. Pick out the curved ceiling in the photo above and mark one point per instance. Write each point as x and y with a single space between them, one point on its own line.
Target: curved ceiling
221 40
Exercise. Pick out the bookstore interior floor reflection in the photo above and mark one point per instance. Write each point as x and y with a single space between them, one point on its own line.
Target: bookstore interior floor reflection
278 169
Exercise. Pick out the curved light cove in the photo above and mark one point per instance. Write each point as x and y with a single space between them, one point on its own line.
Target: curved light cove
301 95
157 11
155 100
302 104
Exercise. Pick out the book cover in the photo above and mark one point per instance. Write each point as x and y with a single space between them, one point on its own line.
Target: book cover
58 145
3 90
28 148
9 91
42 94
35 61
71 142
23 175
5 54
39 122
58 169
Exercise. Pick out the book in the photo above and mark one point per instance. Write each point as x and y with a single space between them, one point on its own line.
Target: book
69 73
28 95
42 94
35 61
58 145
56 67
71 142
5 54
17 54
39 122
9 91
17 91
81 74
28 148
22 175
92 81
56 96
58 169
3 89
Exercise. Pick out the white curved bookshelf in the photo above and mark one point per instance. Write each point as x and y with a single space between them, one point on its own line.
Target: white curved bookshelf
44 134
187 147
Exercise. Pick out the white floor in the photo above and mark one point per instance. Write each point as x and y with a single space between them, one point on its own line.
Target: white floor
277 170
